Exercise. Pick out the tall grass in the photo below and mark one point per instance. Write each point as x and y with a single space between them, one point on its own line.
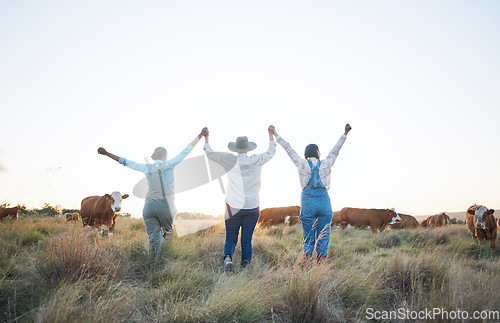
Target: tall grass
54 271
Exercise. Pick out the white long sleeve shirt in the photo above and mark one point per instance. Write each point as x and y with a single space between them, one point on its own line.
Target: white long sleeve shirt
325 169
244 177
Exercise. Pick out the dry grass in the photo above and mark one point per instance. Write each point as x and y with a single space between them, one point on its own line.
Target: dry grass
54 271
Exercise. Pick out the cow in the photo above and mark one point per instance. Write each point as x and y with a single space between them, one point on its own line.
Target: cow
336 220
407 222
481 224
100 211
437 220
72 217
5 212
374 219
276 215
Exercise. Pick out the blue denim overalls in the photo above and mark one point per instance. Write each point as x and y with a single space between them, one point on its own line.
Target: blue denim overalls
316 214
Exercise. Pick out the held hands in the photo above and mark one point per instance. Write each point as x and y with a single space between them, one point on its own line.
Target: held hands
347 129
203 133
272 130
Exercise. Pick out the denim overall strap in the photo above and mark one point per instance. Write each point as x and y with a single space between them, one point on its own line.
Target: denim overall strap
161 183
315 179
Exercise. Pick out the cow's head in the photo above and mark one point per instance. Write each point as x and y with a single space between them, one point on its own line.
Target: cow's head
481 214
395 216
116 200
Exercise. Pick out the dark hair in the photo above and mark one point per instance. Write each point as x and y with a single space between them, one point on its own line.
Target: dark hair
159 153
311 151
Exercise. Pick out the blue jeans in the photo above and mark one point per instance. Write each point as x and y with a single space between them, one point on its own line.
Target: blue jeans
316 216
246 219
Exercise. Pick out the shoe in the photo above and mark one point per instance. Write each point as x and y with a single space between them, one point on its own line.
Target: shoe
167 233
228 265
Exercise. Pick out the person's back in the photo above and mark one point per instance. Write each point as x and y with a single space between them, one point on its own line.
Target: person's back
159 208
316 210
242 198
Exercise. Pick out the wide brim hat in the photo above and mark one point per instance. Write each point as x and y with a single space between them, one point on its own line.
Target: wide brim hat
242 145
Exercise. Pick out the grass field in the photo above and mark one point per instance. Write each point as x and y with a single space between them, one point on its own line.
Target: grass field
53 271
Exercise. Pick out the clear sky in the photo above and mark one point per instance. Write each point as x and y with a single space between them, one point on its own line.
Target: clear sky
419 81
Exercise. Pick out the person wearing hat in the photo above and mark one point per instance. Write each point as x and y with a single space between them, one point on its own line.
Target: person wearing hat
159 208
242 198
316 209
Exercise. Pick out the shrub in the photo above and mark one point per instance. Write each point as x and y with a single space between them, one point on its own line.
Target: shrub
388 240
69 257
88 301
302 296
31 237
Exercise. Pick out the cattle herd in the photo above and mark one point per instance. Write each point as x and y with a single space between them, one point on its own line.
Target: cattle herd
101 212
479 219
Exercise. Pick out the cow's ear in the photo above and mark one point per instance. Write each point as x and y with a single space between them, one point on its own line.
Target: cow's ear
491 211
125 196
471 212
108 196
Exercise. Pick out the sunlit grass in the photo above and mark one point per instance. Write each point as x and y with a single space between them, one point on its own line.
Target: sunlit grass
54 271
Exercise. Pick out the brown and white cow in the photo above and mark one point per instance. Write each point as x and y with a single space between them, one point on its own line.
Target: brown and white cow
375 219
101 211
336 220
71 217
5 212
481 224
437 220
407 222
277 215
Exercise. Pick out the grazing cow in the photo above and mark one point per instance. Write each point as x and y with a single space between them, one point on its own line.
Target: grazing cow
437 220
375 219
407 222
481 224
5 212
276 215
72 217
100 211
336 220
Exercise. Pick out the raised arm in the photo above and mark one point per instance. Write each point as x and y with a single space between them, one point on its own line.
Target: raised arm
288 148
204 132
177 159
104 152
226 160
123 161
334 153
271 150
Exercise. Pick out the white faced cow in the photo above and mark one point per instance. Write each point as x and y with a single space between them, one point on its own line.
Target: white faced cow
373 219
101 211
481 224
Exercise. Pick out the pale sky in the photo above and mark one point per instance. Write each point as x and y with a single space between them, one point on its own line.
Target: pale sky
418 81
